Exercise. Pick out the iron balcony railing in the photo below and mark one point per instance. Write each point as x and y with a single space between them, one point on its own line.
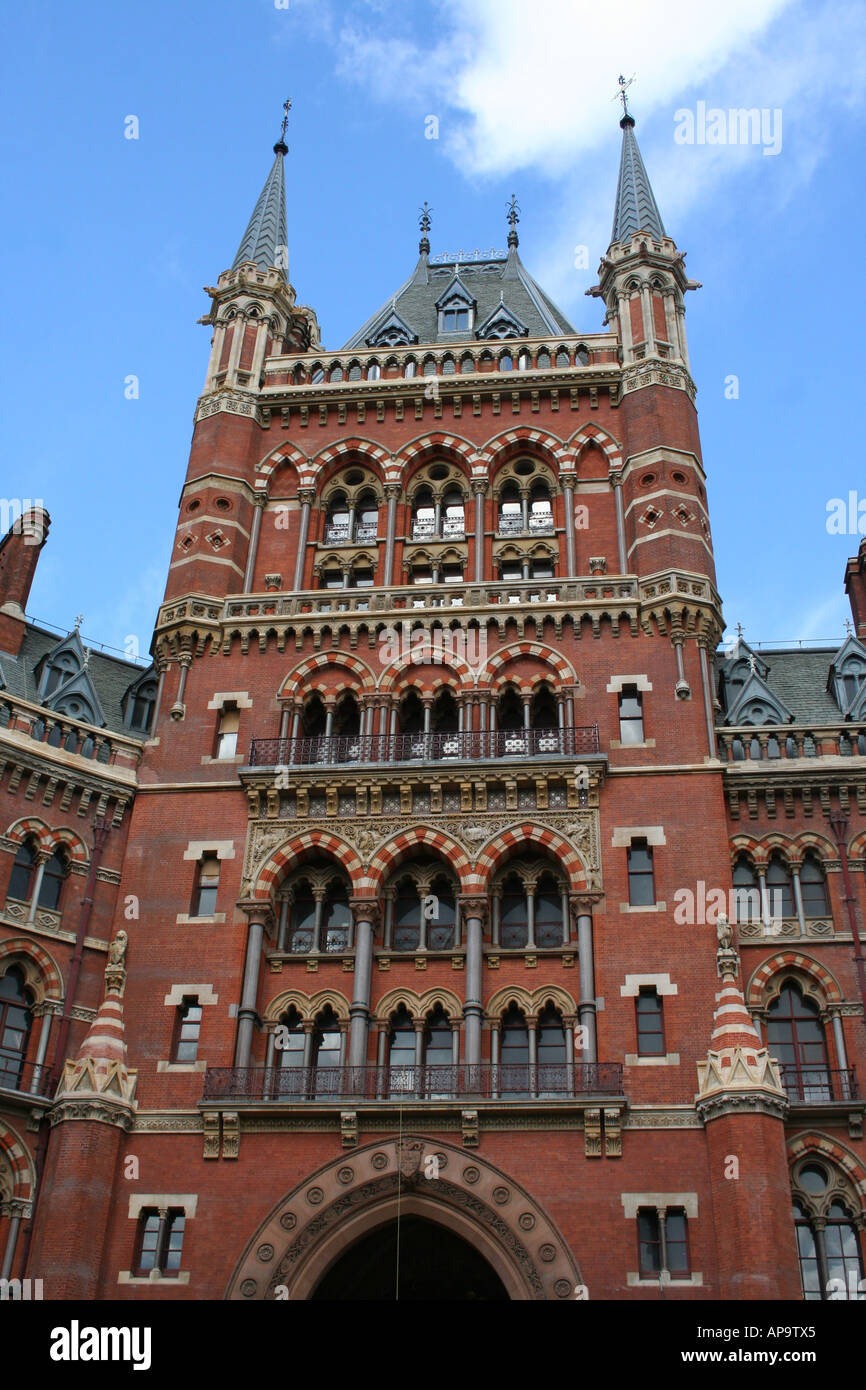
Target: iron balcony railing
24 1078
339 535
818 1085
430 747
485 1081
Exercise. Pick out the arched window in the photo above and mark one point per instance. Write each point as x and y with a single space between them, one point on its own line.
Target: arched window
337 521
422 907
548 912
58 670
53 875
439 1077
514 918
16 1017
21 881
542 710
290 1077
444 716
140 707
795 1037
402 1076
367 518
336 919
540 509
423 514
326 1055
506 362
314 911
509 712
552 1077
780 888
813 888
510 509
747 893
313 717
302 918
514 1053
828 1240
454 524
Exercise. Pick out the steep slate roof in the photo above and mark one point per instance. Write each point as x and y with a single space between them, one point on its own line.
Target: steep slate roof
499 279
111 676
636 208
798 676
265 240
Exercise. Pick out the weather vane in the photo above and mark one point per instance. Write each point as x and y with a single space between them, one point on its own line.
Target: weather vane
621 95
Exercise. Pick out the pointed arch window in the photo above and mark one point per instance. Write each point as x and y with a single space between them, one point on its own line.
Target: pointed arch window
551 1080
290 1074
514 1053
16 1018
780 888
795 1037
813 888
438 1058
540 509
401 1053
829 1244
53 877
747 893
23 866
326 1055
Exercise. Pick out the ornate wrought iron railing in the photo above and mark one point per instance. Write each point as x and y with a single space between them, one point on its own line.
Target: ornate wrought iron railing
486 1081
425 748
24 1078
818 1085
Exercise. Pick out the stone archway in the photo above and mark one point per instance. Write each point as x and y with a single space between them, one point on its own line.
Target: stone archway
313 1226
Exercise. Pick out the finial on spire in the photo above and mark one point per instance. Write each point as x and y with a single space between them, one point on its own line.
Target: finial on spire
622 95
848 628
424 222
281 147
79 619
513 219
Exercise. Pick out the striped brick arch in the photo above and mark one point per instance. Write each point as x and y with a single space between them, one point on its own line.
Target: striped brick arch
407 842
294 680
494 664
287 453
63 837
517 838
19 1163
355 450
857 847
439 443
281 861
524 439
594 434
790 960
42 971
307 1005
815 1145
31 829
449 661
418 1005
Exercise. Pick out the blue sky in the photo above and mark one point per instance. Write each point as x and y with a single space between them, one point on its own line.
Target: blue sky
107 242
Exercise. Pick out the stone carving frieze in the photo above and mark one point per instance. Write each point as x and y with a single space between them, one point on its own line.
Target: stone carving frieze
472 830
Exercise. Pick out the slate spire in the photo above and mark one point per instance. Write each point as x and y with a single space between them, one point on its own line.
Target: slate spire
265 240
636 208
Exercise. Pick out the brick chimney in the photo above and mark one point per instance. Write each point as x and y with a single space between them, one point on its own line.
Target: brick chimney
19 553
855 588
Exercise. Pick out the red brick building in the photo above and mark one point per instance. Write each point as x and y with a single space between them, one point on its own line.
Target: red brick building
456 921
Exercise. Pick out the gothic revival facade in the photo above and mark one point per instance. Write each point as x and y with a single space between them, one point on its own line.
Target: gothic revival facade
443 914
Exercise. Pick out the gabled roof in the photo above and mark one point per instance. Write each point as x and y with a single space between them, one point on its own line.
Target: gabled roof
111 677
455 290
391 331
636 209
501 322
265 240
796 677
756 692
484 281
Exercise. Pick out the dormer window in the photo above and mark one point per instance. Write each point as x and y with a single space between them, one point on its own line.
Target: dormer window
455 318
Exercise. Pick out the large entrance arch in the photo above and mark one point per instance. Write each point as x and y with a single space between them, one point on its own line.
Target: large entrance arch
312 1231
413 1260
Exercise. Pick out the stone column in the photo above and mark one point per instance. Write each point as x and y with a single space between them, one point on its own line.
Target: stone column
473 913
586 1004
258 915
392 493
365 914
260 500
305 496
616 484
568 503
41 857
11 1243
479 487
798 898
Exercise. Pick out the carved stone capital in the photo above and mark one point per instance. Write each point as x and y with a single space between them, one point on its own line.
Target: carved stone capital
365 910
474 906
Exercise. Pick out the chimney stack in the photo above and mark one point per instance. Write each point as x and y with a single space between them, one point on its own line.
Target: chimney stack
855 588
19 553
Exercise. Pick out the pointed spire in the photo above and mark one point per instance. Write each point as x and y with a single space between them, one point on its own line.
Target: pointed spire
265 240
513 219
100 1066
636 208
